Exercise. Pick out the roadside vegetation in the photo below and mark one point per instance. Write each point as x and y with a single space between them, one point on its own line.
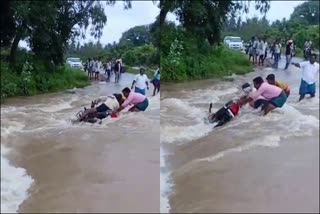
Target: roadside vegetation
42 68
193 49
184 59
31 77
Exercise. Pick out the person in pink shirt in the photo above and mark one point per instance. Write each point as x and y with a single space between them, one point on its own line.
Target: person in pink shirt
274 96
140 102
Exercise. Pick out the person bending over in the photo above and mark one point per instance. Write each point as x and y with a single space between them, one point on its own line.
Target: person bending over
274 95
140 102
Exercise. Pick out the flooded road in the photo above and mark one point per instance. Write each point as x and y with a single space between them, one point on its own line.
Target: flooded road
253 164
50 165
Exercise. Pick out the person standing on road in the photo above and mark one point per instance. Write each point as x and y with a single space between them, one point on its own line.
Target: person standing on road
280 45
255 52
265 48
289 51
250 51
276 54
272 49
98 68
89 68
307 49
109 69
156 81
117 70
260 51
310 69
141 82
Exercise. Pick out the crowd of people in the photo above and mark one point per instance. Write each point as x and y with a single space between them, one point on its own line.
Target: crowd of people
95 68
258 49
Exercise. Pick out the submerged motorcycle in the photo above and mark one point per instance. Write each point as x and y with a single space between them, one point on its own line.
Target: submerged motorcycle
84 116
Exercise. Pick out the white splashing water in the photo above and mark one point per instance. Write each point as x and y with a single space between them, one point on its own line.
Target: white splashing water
10 128
268 141
14 181
14 184
56 107
165 186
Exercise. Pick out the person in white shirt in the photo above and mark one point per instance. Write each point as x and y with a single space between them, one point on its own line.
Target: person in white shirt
310 69
117 70
255 51
265 49
280 49
108 70
248 91
261 50
98 68
90 68
141 82
95 67
277 51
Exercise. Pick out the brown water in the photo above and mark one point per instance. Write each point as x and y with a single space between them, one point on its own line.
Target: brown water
112 167
253 164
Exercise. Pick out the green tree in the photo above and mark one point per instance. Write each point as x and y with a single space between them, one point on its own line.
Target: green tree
137 36
60 22
206 18
307 12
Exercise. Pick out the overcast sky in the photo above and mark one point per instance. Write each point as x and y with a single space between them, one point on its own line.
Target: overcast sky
145 12
120 20
278 10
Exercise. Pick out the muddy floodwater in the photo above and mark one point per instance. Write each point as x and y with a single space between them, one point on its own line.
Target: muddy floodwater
253 164
50 165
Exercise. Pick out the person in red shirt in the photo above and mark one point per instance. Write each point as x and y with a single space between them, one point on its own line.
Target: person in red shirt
225 114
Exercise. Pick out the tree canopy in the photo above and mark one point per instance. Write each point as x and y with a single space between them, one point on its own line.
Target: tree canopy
49 26
206 18
307 13
137 47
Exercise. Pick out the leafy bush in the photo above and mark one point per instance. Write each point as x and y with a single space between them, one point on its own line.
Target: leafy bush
26 82
9 84
36 77
144 55
188 57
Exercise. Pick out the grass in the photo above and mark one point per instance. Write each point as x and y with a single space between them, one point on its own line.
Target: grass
36 80
218 63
